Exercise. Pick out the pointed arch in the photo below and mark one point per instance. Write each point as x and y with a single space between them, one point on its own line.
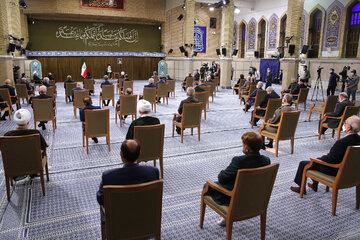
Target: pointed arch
316 22
262 36
251 36
282 32
242 38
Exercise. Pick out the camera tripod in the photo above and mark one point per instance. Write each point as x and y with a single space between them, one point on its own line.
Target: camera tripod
316 88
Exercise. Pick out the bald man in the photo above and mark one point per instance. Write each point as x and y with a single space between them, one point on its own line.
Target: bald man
78 88
42 95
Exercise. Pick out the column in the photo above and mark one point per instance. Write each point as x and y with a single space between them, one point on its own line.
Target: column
227 28
189 34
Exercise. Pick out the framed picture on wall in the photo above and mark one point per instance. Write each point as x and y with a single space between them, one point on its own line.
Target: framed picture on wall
103 4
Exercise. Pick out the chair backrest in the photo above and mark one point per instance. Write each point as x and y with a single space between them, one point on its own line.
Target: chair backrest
349 111
133 211
108 91
252 191
191 114
89 84
97 122
52 82
78 98
203 98
241 83
151 140
21 90
26 161
212 88
293 86
288 124
189 81
171 85
216 80
149 94
330 104
348 174
163 89
128 104
260 94
128 84
252 88
207 89
51 91
43 109
69 88
121 80
303 95
273 104
4 93
156 79
116 74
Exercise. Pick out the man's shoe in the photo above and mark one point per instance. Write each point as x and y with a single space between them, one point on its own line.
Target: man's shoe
19 178
222 222
34 176
40 125
43 126
3 118
269 145
313 186
178 130
95 140
296 189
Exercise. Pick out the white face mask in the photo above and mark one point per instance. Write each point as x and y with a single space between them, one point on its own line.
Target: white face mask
268 70
352 74
344 128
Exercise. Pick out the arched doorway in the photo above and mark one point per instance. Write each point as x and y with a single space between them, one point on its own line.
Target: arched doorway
261 36
242 35
315 33
353 30
282 34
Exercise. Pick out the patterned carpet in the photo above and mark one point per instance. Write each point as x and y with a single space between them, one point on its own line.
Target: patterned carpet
70 210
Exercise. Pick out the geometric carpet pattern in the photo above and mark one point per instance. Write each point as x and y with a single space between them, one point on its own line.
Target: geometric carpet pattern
70 210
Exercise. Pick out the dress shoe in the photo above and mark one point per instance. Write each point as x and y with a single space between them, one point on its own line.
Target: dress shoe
296 189
3 118
19 178
269 145
221 222
178 130
43 126
40 125
313 186
95 140
34 176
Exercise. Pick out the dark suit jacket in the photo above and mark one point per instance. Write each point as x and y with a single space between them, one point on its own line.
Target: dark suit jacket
251 100
23 132
41 96
197 76
199 89
28 85
297 89
187 100
337 152
68 81
269 77
150 85
105 83
227 177
339 110
277 115
47 85
129 174
160 81
142 121
36 79
264 102
82 111
334 78
76 89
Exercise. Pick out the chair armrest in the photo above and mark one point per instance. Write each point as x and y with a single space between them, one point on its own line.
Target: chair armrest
271 124
295 95
318 161
213 185
176 115
333 117
259 108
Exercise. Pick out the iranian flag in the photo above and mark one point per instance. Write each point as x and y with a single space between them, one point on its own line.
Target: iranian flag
83 68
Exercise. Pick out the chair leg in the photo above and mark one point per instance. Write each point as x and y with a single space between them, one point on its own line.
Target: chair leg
292 145
357 196
199 133
11 181
229 225
75 112
334 201
327 189
120 116
205 112
161 163
202 212
309 116
303 185
320 130
47 171
155 107
192 130
87 145
182 134
108 141
277 148
173 128
297 106
339 132
263 225
333 133
83 137
305 106
42 182
7 181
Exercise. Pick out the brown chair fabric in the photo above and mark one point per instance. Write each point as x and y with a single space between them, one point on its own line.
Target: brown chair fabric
89 84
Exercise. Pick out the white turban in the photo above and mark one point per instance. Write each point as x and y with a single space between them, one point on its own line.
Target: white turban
144 106
22 116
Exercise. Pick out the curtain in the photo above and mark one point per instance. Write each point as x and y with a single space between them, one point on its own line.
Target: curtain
273 64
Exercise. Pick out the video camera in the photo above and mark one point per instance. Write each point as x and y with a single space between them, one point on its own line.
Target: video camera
252 71
343 73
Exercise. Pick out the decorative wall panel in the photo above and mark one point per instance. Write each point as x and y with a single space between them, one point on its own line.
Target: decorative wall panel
251 40
332 25
272 32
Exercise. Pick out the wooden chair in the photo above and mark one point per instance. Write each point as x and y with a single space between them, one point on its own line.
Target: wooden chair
292 87
4 93
156 79
216 82
357 103
212 90
260 94
78 99
119 85
323 108
68 90
347 175
133 218
128 106
89 85
116 75
189 82
241 83
273 104
245 94
171 86
163 91
248 197
50 91
190 118
151 140
149 94
96 125
22 92
302 97
286 129
126 85
6 109
53 83
208 90
107 94
27 161
43 111
203 99
349 111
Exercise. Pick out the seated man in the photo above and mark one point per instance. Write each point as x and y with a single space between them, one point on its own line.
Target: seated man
263 104
126 77
296 90
130 173
29 87
183 84
162 80
42 95
36 78
338 112
236 86
286 101
209 78
11 92
88 75
252 143
78 88
202 83
351 127
251 99
122 74
144 108
150 84
50 76
105 82
46 81
293 81
88 106
197 88
197 75
128 91
245 86
154 74
190 99
22 119
68 80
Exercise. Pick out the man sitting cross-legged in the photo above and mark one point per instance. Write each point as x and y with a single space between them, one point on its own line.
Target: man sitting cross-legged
88 106
130 173
190 99
252 143
351 127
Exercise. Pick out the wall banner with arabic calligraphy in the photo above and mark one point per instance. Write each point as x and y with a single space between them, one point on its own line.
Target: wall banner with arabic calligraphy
48 35
104 4
200 39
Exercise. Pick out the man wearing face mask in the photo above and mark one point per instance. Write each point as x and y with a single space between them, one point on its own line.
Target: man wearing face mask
352 85
351 127
334 78
268 78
